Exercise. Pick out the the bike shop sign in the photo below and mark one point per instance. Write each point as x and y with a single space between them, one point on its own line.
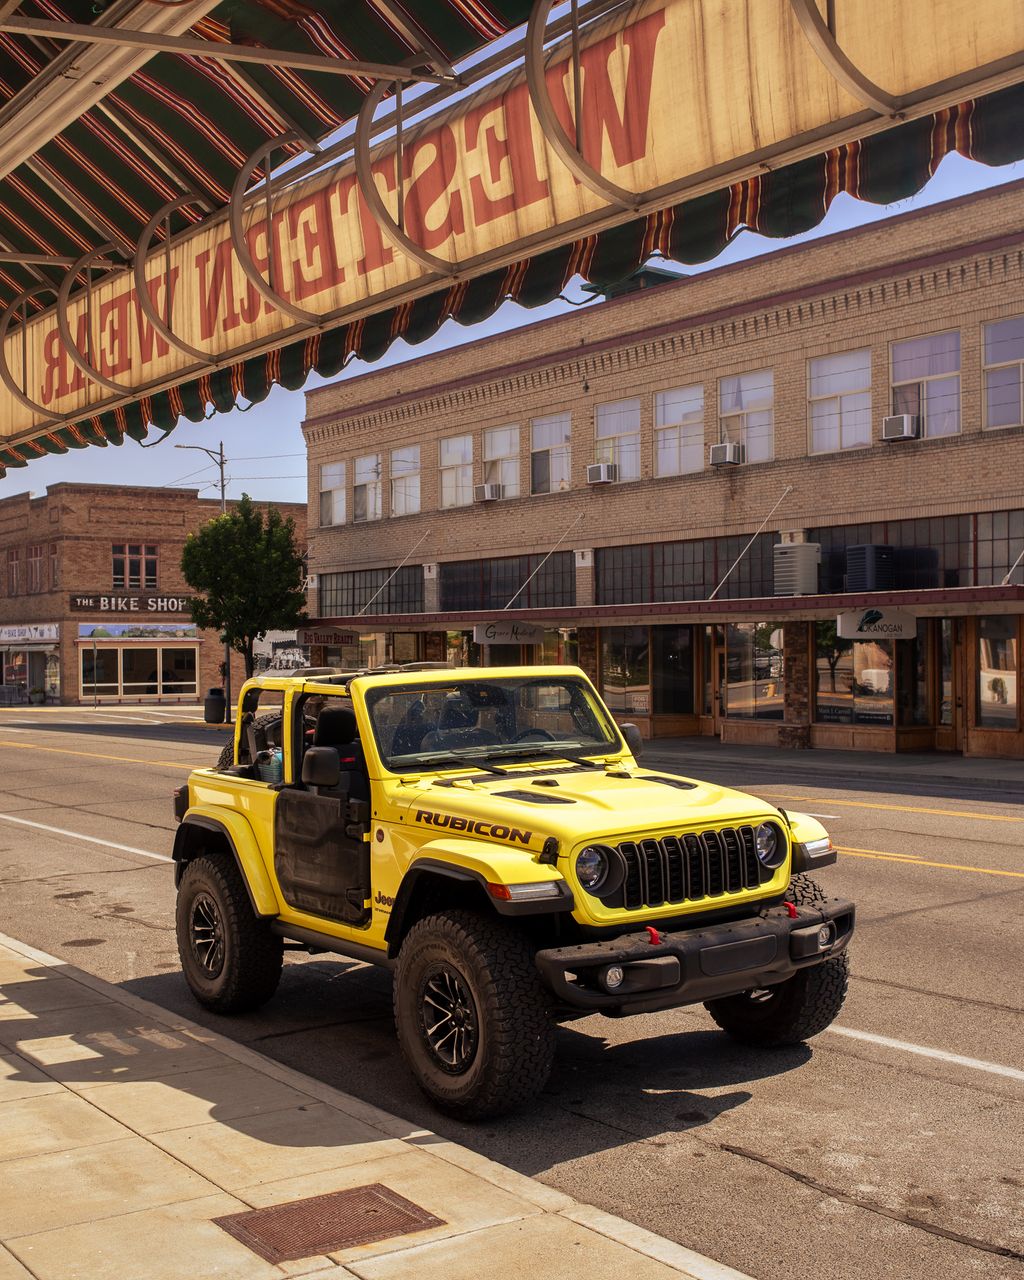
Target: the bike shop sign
876 624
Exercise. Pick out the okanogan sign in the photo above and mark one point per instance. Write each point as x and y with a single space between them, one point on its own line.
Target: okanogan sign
677 97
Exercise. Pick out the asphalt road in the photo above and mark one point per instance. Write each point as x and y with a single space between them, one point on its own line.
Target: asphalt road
891 1148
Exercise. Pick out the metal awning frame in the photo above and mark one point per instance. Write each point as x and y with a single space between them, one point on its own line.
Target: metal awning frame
258 186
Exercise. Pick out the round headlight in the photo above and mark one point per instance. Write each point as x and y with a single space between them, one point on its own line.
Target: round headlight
770 848
592 868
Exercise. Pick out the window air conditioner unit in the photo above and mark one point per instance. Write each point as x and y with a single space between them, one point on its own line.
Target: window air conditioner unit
487 492
901 426
602 472
727 453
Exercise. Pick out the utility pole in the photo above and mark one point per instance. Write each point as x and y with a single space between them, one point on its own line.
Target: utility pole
219 459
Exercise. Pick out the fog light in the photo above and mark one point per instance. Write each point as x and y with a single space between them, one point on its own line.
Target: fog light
613 977
826 936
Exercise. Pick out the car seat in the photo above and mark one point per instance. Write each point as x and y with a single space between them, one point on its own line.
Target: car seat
336 727
457 727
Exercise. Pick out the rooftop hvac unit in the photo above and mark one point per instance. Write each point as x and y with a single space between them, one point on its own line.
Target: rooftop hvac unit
795 567
902 426
487 492
728 453
602 472
870 568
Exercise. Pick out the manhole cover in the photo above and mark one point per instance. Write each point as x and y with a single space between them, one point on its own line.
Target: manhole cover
323 1224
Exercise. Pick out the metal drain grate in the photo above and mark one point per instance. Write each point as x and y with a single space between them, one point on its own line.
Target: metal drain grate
324 1224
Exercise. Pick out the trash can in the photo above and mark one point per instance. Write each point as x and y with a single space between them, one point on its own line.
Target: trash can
215 707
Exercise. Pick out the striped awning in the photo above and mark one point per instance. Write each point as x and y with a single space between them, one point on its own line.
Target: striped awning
96 139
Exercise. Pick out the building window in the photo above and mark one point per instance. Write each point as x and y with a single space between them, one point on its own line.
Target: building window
617 428
34 559
532 581
366 488
13 571
332 494
626 669
54 567
853 679
550 453
679 431
343 595
1004 373
134 565
668 571
746 413
672 654
998 663
839 395
139 672
926 382
457 471
998 541
405 481
501 459
754 671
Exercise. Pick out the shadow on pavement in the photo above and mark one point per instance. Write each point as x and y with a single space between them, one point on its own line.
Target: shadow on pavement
214 739
333 1021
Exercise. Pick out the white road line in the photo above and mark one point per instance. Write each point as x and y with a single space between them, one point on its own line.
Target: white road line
77 835
976 1064
823 815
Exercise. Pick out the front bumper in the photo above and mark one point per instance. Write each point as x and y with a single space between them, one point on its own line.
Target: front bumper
700 964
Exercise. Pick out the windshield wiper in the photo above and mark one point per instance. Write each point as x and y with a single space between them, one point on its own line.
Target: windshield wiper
466 757
538 750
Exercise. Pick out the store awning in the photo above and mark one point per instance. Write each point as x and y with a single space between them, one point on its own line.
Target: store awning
148 271
943 602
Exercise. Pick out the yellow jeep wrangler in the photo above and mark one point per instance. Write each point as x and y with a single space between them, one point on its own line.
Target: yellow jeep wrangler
489 835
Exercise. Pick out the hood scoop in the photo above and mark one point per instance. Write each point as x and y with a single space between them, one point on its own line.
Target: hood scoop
533 797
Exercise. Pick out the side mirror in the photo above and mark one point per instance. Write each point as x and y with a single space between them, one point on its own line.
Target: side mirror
633 739
321 767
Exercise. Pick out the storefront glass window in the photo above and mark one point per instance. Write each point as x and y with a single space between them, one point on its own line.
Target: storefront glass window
946 671
626 669
561 646
998 666
707 695
140 672
754 671
673 670
854 682
99 673
178 671
912 677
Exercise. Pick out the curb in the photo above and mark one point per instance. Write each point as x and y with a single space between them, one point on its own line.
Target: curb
688 1263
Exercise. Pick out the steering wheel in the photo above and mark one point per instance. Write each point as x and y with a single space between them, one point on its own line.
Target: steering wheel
542 734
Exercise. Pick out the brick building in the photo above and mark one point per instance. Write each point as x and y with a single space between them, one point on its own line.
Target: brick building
92 599
563 477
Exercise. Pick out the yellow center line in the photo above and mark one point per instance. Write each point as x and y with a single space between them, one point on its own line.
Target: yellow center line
908 859
901 808
95 755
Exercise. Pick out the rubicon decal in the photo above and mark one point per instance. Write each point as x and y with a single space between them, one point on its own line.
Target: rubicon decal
495 830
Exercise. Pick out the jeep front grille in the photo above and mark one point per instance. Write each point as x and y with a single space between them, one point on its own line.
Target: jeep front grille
691 866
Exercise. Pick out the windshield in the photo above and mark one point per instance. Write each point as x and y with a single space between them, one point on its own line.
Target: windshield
471 721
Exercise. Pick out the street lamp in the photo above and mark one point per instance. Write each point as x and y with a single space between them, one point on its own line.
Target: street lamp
218 458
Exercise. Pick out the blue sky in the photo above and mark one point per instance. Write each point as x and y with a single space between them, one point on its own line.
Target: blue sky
264 446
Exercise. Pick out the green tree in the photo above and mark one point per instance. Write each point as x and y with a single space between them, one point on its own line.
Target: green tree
248 576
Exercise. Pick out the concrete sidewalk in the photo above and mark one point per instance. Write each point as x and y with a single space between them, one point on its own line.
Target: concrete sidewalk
692 755
126 1132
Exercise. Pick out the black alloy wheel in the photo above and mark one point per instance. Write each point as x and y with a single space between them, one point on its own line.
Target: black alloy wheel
206 935
449 1019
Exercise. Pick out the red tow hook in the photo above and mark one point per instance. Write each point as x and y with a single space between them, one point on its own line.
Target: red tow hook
653 935
790 909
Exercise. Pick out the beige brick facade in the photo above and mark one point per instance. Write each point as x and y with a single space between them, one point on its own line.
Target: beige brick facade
954 267
76 527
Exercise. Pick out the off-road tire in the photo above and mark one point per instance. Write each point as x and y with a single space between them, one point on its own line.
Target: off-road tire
227 756
213 904
514 1037
796 1009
